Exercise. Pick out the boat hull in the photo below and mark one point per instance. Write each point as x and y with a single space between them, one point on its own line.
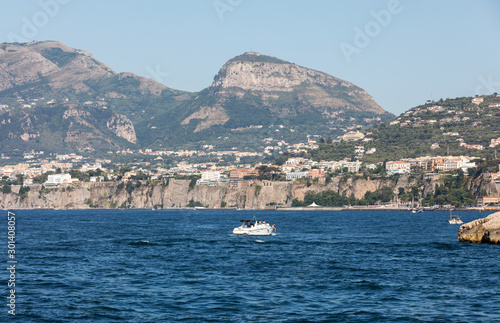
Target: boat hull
254 231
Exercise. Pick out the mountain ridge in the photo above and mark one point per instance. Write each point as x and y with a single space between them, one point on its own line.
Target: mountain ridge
251 90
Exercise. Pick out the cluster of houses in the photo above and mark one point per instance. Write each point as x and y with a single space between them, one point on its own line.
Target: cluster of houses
430 164
293 169
212 174
298 167
411 118
63 163
479 100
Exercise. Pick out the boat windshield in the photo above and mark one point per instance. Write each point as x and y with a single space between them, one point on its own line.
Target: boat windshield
246 223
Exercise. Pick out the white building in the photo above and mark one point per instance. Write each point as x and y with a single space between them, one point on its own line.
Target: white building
477 101
353 167
435 146
360 150
397 167
353 136
294 161
291 176
58 179
456 163
495 142
209 178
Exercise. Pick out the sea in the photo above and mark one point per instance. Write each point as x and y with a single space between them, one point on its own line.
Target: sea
186 266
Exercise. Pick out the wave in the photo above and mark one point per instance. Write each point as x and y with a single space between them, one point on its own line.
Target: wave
141 242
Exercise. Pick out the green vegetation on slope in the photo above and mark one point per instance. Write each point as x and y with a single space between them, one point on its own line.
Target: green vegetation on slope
58 56
450 123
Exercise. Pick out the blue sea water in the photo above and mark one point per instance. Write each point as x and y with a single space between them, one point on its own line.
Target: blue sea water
169 266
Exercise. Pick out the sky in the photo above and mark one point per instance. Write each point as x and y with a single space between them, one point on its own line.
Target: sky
401 52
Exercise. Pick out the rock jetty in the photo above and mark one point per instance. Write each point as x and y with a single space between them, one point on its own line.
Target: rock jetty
485 230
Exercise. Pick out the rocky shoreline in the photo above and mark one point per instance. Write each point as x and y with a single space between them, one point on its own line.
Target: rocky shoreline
485 230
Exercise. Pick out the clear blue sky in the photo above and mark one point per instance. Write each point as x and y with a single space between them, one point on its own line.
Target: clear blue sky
401 52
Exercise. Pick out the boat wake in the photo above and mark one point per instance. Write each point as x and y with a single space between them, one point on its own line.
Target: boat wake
140 242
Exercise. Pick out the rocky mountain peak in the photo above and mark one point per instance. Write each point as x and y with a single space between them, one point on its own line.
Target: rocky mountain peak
60 65
257 72
273 77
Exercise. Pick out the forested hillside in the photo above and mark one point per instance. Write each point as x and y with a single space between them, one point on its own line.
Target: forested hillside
447 127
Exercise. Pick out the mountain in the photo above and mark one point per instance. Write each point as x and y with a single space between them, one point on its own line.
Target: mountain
253 89
51 64
256 97
56 98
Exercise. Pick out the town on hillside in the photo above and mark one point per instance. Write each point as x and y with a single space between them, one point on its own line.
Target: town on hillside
66 170
357 153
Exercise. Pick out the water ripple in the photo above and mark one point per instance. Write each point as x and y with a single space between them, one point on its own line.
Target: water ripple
167 266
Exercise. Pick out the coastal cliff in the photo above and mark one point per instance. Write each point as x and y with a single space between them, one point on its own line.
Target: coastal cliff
178 193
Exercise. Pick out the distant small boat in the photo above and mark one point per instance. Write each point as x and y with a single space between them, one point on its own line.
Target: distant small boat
455 219
415 209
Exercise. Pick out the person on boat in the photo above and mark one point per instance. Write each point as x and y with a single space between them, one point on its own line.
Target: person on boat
274 227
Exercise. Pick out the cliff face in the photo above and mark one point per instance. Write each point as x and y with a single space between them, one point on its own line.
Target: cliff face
177 193
121 126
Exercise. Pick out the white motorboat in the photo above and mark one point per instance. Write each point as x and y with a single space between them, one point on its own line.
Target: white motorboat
254 228
455 219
